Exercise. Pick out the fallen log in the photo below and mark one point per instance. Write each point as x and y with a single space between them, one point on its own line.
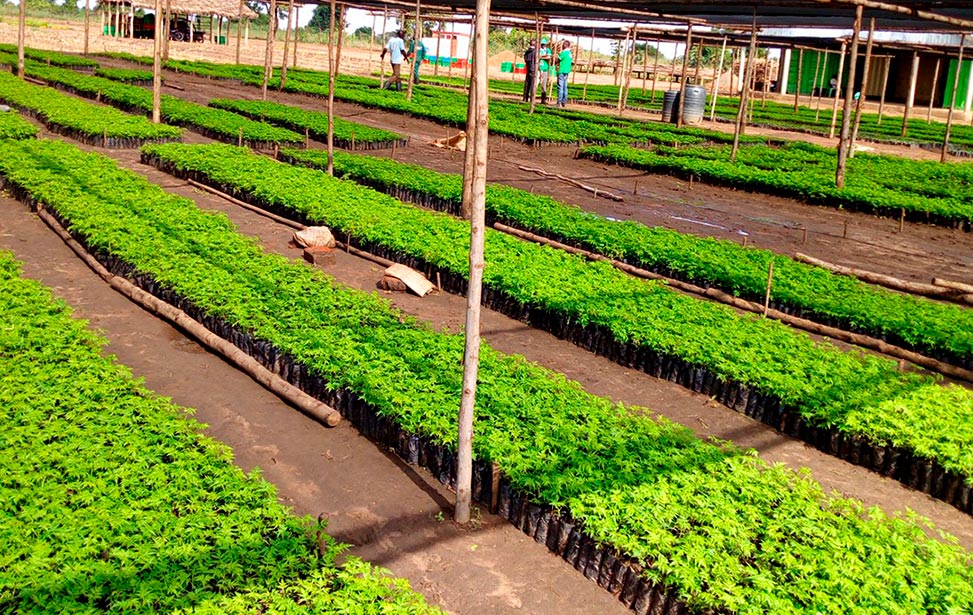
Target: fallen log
271 381
749 306
949 291
602 193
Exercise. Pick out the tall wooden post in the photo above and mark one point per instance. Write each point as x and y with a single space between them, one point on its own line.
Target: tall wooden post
577 47
885 85
471 357
297 34
131 21
824 67
716 82
744 95
655 70
645 63
439 45
157 66
952 101
21 36
797 86
837 92
591 65
239 32
631 63
536 70
866 73
332 69
417 32
911 99
87 24
622 68
818 72
165 32
287 41
269 52
381 68
932 91
849 98
685 76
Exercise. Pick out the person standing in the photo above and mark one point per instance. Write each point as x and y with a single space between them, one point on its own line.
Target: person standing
417 53
545 68
530 55
396 50
564 64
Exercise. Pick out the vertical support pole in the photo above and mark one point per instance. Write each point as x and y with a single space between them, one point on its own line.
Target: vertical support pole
699 62
824 67
471 357
645 64
131 20
952 103
912 92
381 68
766 82
885 85
849 98
797 87
439 43
617 76
932 91
742 110
536 69
156 67
287 40
655 70
332 69
818 72
631 63
87 24
165 32
716 83
297 32
622 48
685 75
246 33
837 92
415 42
866 73
371 46
577 46
21 35
591 65
269 51
239 32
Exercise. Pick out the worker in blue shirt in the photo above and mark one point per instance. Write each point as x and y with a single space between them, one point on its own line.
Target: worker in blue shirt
396 50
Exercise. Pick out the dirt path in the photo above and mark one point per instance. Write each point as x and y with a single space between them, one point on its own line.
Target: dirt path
774 223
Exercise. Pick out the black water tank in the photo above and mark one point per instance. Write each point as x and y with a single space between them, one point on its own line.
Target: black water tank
669 100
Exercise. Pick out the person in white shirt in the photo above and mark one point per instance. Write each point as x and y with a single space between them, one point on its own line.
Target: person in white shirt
396 50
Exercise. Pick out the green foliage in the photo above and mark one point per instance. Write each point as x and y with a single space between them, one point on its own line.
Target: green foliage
125 75
724 529
883 185
64 113
931 326
321 18
111 500
829 387
315 122
12 126
52 58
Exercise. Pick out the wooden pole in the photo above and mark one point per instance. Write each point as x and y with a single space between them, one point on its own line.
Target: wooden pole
932 91
624 65
239 32
471 357
332 68
685 76
824 67
87 23
797 86
21 36
131 21
297 32
591 65
415 42
269 51
742 110
381 68
645 64
165 31
837 92
371 46
631 63
536 69
617 76
716 83
577 45
952 103
439 44
770 282
885 85
818 72
866 73
655 70
287 40
157 67
911 99
849 98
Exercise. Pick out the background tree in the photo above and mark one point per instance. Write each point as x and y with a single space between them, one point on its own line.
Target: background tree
321 18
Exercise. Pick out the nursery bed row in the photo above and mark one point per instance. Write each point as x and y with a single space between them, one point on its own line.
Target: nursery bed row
941 330
111 484
658 517
86 122
214 123
749 363
921 191
12 126
348 135
51 58
141 78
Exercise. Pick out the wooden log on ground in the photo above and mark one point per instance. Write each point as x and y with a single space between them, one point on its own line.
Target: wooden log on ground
272 382
955 292
574 182
799 323
958 286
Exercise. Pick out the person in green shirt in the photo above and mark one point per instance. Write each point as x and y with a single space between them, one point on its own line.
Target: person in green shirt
564 63
544 69
417 52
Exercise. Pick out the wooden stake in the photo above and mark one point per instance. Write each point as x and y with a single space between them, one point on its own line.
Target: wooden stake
837 92
797 88
415 42
591 65
239 32
21 36
536 68
87 24
716 83
655 70
239 138
911 99
471 358
901 219
866 73
287 42
156 67
770 282
932 91
844 231
804 237
332 68
385 19
269 51
307 137
745 94
685 76
745 238
843 143
885 85
952 104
